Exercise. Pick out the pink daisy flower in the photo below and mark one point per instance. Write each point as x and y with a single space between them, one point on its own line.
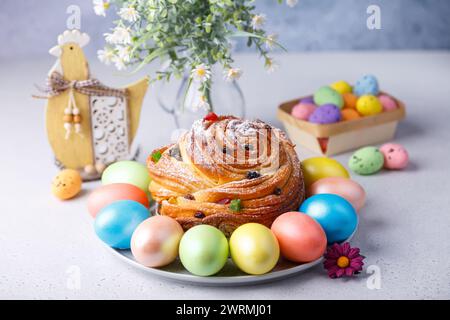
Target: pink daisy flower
343 260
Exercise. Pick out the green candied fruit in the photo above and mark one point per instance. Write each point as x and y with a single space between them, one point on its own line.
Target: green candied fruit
366 161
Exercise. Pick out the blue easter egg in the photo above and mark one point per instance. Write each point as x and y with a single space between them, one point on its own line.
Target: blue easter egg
367 85
115 223
335 214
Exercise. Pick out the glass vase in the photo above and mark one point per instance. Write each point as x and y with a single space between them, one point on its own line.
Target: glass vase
226 98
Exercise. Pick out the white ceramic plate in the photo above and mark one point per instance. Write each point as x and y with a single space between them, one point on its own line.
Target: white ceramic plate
230 275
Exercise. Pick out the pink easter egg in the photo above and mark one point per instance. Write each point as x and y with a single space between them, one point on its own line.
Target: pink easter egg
301 238
303 110
348 189
155 241
395 156
387 102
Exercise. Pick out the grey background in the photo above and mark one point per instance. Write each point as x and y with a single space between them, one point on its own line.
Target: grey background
311 25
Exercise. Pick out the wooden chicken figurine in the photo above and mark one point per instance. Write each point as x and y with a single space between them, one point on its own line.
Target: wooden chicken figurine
89 125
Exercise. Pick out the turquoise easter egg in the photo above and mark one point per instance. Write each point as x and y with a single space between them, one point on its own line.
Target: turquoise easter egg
203 250
115 223
367 85
327 95
335 214
131 172
366 161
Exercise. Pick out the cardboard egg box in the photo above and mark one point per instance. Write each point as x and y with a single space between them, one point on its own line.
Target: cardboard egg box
335 138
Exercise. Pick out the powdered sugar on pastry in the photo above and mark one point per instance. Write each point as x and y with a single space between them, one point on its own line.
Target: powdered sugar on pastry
228 159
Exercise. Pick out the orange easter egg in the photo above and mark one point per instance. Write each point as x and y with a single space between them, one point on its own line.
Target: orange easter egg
66 184
349 114
350 100
110 193
301 238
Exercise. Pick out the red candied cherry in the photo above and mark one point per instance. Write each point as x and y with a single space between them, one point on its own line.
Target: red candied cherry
211 117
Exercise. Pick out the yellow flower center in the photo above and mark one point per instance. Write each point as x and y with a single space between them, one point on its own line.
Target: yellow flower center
201 72
106 5
343 262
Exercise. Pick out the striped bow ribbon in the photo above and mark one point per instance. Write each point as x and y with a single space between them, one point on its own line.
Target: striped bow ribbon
56 84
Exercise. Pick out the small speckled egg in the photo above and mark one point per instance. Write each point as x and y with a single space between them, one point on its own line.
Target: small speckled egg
301 238
366 161
366 85
349 114
341 87
66 184
395 156
303 111
346 188
349 100
309 99
387 102
368 105
327 95
155 241
327 113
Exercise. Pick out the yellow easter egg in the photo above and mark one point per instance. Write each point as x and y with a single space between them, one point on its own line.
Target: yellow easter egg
342 87
321 167
254 248
66 184
368 105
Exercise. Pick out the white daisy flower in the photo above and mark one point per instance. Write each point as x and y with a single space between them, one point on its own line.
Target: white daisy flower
124 53
106 55
201 73
119 63
232 74
100 7
120 35
270 41
291 3
129 14
202 104
258 21
271 65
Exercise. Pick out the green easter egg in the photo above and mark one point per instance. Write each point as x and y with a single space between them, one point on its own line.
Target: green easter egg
203 250
131 172
366 161
326 95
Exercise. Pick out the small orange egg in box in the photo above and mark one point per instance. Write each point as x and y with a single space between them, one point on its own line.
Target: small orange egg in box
341 116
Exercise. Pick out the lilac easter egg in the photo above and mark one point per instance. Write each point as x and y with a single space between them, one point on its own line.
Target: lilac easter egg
327 113
303 110
387 102
307 100
395 156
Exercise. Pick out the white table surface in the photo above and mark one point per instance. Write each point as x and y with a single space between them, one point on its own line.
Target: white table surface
404 229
